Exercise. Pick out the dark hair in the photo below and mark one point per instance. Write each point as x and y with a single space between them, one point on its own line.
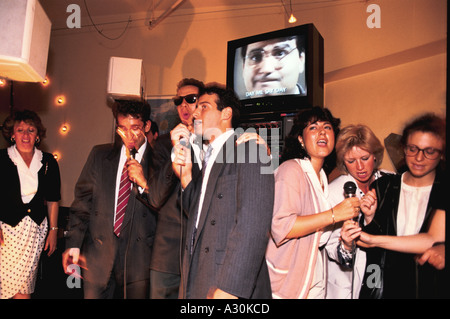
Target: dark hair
137 109
292 147
154 128
427 123
27 116
225 98
190 81
298 40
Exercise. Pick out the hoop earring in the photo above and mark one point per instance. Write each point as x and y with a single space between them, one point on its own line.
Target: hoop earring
13 140
38 139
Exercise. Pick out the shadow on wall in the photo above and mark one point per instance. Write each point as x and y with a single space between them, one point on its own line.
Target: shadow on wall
194 65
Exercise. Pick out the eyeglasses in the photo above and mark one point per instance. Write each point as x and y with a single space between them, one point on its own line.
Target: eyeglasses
429 152
190 99
256 56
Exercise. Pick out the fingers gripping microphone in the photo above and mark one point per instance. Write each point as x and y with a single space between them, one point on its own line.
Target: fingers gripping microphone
133 153
184 141
349 189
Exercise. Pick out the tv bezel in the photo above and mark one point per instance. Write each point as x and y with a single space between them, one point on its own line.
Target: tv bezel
314 72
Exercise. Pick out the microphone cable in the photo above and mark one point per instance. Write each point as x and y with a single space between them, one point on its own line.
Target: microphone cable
135 190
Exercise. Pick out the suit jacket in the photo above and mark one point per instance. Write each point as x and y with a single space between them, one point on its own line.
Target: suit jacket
49 183
233 231
401 276
91 219
171 223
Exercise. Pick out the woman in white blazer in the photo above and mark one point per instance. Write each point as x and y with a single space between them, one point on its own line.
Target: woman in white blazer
359 154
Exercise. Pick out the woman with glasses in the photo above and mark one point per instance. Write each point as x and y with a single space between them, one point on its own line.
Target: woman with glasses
404 205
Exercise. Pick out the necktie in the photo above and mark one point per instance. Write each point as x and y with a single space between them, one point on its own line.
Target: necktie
206 159
122 200
204 164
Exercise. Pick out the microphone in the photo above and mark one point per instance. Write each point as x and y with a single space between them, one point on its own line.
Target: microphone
184 141
349 189
133 153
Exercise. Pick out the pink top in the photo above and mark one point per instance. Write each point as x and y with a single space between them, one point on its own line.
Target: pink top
292 262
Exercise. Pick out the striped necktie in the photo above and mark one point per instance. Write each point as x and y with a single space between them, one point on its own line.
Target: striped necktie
122 200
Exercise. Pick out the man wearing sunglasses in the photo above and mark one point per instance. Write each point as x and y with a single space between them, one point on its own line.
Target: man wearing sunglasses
165 262
110 232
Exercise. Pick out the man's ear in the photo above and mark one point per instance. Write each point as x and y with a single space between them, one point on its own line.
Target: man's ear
147 126
227 113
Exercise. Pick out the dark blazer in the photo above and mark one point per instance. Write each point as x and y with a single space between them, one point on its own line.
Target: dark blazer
171 223
91 218
401 276
13 209
231 240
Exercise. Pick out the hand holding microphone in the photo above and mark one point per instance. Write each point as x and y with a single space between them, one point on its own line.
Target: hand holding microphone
181 154
349 207
135 170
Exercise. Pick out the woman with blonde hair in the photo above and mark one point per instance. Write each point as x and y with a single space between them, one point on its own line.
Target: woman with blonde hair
359 154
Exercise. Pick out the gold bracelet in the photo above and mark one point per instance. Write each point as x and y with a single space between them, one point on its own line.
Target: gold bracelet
332 216
54 228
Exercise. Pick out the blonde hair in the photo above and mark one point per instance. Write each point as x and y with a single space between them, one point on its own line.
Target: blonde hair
361 136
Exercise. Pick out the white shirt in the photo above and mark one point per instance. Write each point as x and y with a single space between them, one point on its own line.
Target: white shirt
217 145
412 207
28 176
320 189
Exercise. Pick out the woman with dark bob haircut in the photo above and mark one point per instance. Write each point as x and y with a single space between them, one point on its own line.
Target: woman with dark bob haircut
30 179
302 211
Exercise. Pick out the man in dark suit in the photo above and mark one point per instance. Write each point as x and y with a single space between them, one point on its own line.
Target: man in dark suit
116 251
229 205
171 223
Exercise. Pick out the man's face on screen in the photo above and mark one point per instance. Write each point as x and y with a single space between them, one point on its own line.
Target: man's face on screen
273 67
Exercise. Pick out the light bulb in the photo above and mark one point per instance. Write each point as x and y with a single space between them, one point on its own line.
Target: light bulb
292 19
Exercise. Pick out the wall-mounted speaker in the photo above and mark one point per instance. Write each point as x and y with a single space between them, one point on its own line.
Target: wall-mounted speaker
124 78
24 40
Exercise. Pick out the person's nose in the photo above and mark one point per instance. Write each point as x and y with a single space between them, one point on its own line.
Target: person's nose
268 64
197 113
420 156
359 165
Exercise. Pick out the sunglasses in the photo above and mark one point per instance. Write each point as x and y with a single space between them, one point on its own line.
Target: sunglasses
190 99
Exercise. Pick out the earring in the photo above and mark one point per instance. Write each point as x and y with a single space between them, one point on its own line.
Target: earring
37 140
13 140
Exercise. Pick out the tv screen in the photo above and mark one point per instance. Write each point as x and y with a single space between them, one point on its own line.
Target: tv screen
277 71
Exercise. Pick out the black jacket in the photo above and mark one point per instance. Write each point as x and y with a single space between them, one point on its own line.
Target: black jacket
401 277
13 210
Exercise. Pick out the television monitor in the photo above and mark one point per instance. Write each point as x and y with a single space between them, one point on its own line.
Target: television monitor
278 71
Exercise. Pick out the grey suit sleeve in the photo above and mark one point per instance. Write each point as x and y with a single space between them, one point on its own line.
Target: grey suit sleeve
247 242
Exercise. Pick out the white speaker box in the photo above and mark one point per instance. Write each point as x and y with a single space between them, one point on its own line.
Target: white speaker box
124 78
24 40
